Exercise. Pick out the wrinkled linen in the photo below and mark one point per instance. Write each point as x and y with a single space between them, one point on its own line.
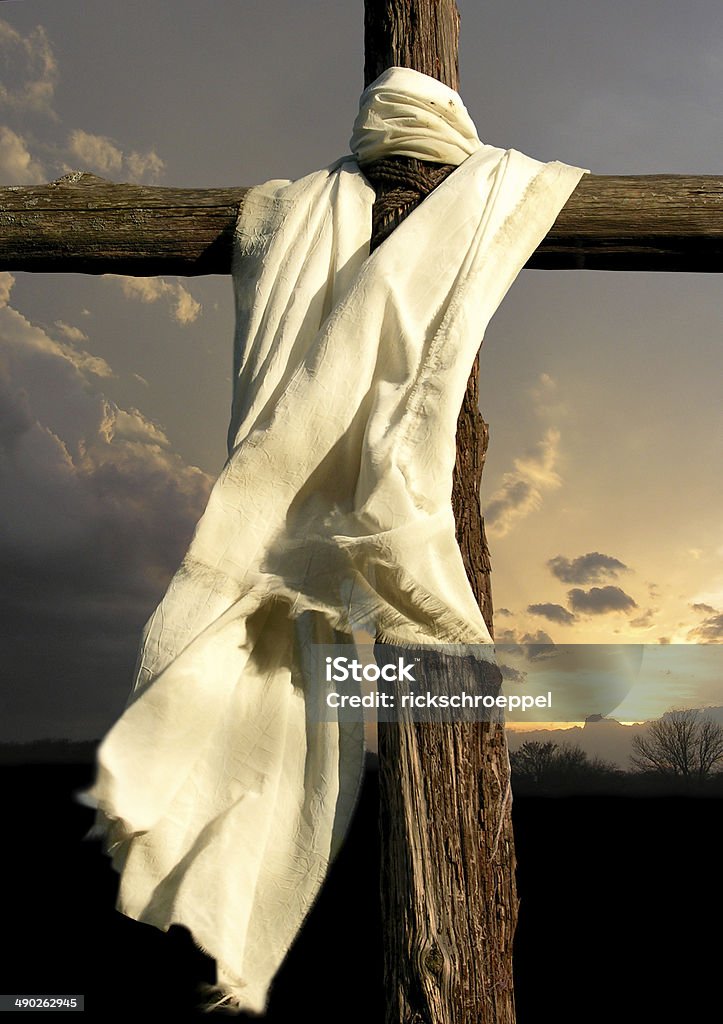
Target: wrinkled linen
220 794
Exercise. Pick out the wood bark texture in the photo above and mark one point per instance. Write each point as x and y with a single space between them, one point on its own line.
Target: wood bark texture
449 901
449 897
86 225
419 34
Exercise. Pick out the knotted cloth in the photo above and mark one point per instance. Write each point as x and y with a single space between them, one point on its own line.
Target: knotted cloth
220 795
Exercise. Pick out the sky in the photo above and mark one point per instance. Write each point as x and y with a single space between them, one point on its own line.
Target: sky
602 489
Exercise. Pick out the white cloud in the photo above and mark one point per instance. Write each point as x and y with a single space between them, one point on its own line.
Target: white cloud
523 488
18 334
543 390
96 151
105 155
546 400
28 78
73 334
132 425
29 61
17 166
6 286
187 309
145 166
184 308
76 466
97 511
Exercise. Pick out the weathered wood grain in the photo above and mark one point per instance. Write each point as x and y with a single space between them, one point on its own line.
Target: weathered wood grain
661 222
449 900
84 224
419 34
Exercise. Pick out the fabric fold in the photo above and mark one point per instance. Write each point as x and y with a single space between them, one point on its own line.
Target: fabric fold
221 796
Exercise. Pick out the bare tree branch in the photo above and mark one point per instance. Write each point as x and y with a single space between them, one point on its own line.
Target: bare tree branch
684 743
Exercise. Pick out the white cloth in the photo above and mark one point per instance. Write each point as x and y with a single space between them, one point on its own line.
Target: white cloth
404 113
221 797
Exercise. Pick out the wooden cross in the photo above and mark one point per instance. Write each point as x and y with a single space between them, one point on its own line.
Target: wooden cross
448 882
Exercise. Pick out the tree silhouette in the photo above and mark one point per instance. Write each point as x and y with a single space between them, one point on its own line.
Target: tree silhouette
539 765
533 760
684 743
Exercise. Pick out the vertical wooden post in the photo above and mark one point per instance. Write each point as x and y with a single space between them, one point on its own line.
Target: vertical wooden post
449 900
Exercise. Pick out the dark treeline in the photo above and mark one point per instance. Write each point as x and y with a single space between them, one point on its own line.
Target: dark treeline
679 754
551 769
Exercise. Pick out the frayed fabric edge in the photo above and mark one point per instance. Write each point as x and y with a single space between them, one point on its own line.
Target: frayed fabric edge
217 998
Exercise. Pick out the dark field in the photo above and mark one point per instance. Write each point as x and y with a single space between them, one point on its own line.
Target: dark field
620 916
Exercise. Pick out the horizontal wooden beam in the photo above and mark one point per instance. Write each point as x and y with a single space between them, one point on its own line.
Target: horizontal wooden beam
655 222
84 224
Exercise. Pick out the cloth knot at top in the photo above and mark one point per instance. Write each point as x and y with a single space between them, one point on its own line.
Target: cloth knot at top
406 113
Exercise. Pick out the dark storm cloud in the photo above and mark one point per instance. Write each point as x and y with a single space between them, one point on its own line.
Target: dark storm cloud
553 612
97 512
512 674
599 600
706 608
589 568
537 645
532 646
508 637
538 637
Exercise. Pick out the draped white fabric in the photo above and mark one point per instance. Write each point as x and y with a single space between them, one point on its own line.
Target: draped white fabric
404 113
219 795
